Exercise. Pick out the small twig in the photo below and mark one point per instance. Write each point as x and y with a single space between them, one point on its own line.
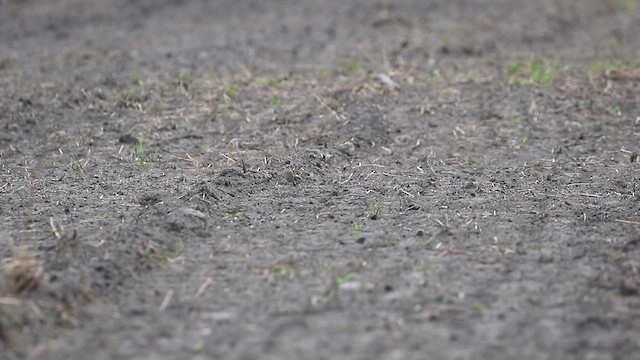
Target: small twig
406 192
36 309
203 287
5 300
591 195
57 228
629 222
229 158
438 221
371 173
167 300
335 113
346 181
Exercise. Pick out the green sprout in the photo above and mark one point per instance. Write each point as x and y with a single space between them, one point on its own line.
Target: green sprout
197 151
169 254
525 139
357 226
324 74
137 151
134 92
275 100
341 280
537 71
182 76
627 5
603 64
232 91
515 68
480 306
541 72
283 270
352 67
615 110
79 171
266 80
600 65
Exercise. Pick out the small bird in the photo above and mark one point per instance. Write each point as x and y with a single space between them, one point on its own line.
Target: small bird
387 81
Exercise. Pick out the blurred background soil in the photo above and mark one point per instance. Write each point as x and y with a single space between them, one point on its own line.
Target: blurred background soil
319 179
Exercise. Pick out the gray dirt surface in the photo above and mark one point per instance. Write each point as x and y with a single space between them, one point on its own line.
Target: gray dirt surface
239 180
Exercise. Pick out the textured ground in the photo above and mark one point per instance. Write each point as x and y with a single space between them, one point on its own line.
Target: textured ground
228 179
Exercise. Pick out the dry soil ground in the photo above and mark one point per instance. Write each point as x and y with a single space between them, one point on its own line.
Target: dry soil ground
231 179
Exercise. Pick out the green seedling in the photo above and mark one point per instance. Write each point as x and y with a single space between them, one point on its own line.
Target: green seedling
603 65
538 71
324 74
78 170
341 280
134 92
232 91
515 68
352 67
479 306
182 76
541 73
627 5
615 110
137 151
357 226
283 270
525 139
197 151
275 100
600 65
434 75
168 254
266 80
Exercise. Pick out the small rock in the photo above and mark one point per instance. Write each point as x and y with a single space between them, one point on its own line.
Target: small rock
128 139
348 148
